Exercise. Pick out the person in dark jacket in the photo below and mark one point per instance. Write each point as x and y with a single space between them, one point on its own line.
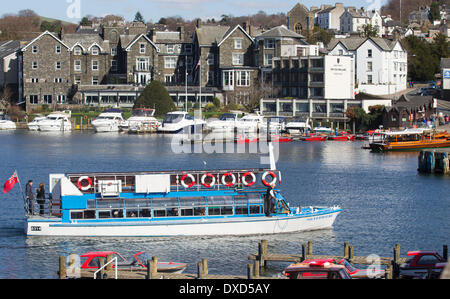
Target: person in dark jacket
29 194
41 198
268 200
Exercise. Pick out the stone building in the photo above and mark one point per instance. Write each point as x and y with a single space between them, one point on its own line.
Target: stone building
300 19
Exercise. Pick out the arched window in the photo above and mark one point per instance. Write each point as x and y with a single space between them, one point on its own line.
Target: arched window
77 50
298 28
95 50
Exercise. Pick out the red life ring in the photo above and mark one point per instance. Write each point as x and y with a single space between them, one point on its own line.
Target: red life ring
233 179
244 179
213 180
274 178
190 176
88 186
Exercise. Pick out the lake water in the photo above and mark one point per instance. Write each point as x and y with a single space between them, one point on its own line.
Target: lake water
384 199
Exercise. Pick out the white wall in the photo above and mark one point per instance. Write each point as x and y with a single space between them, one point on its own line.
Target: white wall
339 77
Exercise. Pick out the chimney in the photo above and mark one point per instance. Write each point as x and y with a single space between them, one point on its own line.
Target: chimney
339 5
198 23
153 35
181 30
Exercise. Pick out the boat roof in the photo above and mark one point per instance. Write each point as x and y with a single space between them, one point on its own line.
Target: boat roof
98 253
407 132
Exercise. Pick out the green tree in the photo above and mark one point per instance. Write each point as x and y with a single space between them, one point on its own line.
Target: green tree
155 96
85 22
369 31
139 18
435 13
422 65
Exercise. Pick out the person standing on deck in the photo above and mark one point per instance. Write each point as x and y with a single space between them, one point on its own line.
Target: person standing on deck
30 197
268 200
41 198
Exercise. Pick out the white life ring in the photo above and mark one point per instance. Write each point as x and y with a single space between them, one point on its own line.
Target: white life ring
244 179
274 178
213 180
233 179
88 186
184 177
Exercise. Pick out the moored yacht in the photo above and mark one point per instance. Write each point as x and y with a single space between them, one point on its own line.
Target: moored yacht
6 123
251 123
141 120
56 121
225 123
180 121
108 121
34 125
298 125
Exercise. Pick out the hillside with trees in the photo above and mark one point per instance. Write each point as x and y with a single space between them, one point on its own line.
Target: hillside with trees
392 7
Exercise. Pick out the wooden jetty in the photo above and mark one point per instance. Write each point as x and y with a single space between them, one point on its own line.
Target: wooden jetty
260 260
434 161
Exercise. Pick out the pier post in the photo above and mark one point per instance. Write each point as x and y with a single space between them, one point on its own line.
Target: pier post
350 255
303 252
396 261
389 270
154 267
102 264
346 250
445 252
310 248
205 266
250 271
262 251
108 259
200 274
149 271
62 268
256 269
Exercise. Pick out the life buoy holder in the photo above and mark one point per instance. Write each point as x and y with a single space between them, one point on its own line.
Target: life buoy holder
274 178
191 177
244 179
213 180
233 179
86 187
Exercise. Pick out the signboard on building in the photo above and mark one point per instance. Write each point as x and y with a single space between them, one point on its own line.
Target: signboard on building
446 78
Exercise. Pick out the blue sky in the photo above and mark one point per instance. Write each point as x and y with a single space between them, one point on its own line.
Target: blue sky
153 10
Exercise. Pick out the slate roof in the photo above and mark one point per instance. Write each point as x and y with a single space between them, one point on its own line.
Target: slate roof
280 31
85 40
8 47
411 102
353 43
208 35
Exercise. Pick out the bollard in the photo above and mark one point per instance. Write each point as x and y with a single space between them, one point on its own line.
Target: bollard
154 267
303 252
250 271
205 266
62 268
310 248
200 274
346 250
149 271
262 251
256 269
350 255
396 262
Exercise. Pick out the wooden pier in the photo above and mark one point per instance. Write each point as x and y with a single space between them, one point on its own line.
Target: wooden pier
259 260
434 161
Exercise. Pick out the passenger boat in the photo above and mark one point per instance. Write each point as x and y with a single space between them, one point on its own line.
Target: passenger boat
411 139
225 123
6 123
56 121
34 125
141 120
108 121
298 125
179 121
174 203
314 137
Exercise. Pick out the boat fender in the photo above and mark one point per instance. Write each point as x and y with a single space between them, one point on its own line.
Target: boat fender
274 178
88 186
191 177
244 179
213 180
233 179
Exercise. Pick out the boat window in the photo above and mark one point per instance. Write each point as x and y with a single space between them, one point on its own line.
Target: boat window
164 202
255 209
220 200
189 117
187 212
132 213
173 212
104 214
241 210
91 204
95 263
117 213
76 215
240 199
133 203
173 118
89 214
199 212
145 213
255 198
192 201
159 213
217 211
227 116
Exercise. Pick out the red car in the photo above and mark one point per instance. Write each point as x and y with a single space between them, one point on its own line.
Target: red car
420 262
91 261
351 269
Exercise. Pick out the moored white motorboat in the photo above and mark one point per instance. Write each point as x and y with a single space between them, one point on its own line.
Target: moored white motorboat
141 120
251 123
225 123
322 130
180 121
277 124
56 121
108 121
34 125
298 125
6 123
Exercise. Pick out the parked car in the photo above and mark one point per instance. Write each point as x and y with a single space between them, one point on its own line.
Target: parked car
139 263
316 270
420 262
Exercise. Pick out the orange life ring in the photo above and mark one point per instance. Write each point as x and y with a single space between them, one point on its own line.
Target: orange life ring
184 177
88 186
244 179
233 179
213 180
274 178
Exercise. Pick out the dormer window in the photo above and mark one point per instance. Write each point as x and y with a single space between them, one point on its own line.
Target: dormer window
77 51
95 51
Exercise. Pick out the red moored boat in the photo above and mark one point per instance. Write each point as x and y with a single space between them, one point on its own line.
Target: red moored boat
278 138
314 138
243 139
343 136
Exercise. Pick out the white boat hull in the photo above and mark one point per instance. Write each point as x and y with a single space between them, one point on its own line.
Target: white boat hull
54 127
7 125
198 227
106 128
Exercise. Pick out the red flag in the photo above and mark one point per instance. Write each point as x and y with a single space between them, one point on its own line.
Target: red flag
9 184
198 64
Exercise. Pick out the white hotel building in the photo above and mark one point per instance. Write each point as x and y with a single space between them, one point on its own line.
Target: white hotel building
381 65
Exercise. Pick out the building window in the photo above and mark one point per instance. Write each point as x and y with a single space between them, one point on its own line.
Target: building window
95 65
35 65
170 62
142 64
142 48
211 78
369 79
243 78
269 43
188 49
114 65
58 65
170 49
210 59
34 99
77 80
77 65
228 78
47 99
113 51
77 51
95 80
268 59
34 80
58 49
238 44
35 49
238 59
369 66
170 78
95 50
57 80
60 99
341 52
369 53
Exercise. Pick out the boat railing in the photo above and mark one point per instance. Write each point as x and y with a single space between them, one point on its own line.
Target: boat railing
47 207
193 180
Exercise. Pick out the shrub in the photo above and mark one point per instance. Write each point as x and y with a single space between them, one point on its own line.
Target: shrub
155 96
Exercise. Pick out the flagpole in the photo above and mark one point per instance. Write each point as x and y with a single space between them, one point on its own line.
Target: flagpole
21 190
200 87
186 81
